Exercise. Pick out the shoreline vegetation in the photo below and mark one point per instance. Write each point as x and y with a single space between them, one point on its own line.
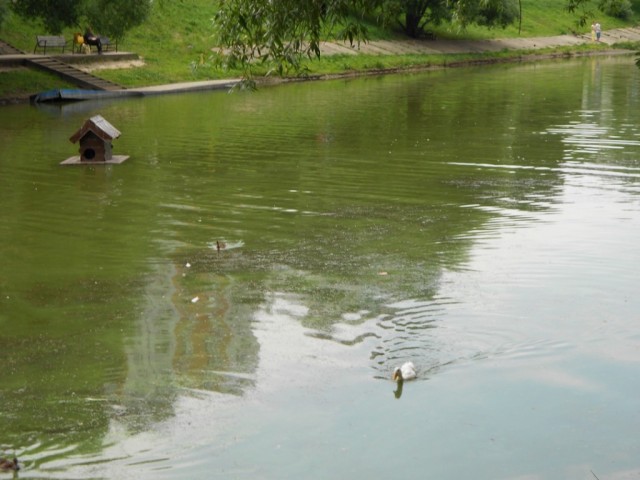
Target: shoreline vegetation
177 48
362 65
454 61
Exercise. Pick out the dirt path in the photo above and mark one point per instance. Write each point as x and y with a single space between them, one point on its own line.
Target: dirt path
399 47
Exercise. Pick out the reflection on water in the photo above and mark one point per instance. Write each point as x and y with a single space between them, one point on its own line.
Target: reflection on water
480 223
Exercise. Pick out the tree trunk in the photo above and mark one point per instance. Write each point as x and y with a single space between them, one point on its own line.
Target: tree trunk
412 24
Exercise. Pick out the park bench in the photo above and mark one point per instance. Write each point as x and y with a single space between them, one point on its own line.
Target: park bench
49 41
106 44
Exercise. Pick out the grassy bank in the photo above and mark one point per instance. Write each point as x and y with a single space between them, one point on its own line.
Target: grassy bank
180 34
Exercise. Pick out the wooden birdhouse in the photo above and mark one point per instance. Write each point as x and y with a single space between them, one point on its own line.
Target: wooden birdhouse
95 137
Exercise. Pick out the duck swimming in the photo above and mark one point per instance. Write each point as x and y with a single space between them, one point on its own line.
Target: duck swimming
6 464
406 372
220 245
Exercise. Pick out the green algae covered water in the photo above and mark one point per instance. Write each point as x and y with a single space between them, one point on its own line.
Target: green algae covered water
482 223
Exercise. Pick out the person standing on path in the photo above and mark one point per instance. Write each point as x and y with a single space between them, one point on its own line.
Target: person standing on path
593 31
598 31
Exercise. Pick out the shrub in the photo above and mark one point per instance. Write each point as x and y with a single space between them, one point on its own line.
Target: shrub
617 8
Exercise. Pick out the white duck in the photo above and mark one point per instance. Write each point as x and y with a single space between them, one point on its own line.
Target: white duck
406 372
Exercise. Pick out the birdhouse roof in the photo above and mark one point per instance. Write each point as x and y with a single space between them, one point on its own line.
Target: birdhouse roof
99 126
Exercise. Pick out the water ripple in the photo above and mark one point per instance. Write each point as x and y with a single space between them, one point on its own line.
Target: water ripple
590 138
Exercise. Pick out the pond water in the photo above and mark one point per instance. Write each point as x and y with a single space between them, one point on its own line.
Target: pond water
482 223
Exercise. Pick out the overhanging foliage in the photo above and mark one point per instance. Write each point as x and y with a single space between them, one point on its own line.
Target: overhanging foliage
108 17
281 32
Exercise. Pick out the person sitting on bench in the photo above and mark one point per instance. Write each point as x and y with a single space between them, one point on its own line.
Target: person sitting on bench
91 38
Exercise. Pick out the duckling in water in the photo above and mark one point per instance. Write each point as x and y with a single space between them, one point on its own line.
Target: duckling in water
220 245
6 464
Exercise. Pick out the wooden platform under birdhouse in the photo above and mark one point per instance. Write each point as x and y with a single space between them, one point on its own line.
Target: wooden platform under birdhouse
77 160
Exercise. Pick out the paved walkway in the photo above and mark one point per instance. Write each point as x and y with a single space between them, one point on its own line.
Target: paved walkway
395 47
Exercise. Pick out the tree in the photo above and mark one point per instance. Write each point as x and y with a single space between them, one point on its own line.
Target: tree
4 9
282 32
489 13
116 17
413 16
584 8
54 14
109 17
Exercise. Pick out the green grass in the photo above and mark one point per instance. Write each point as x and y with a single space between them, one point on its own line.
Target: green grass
340 64
23 82
180 33
540 18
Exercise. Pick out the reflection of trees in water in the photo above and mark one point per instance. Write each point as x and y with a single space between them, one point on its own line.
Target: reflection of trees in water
147 395
353 303
183 344
215 349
